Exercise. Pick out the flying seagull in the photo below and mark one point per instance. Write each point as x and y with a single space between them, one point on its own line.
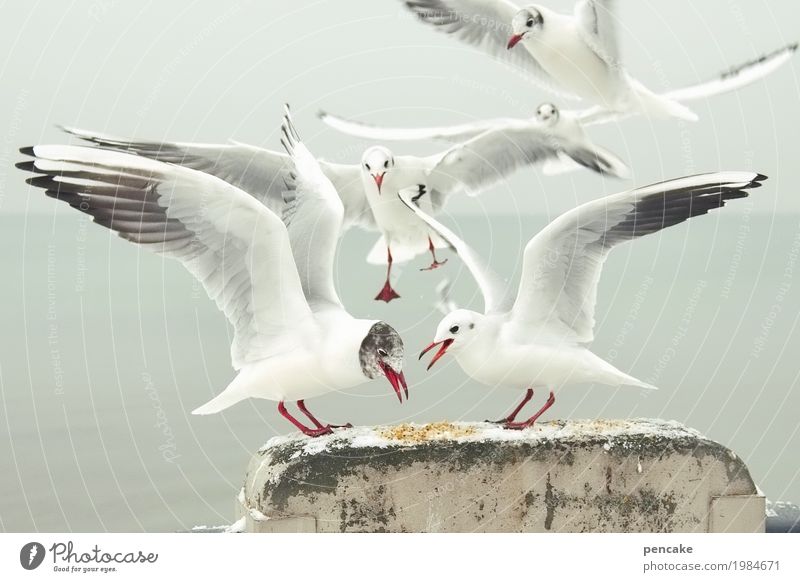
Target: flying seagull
575 55
293 340
568 125
537 336
562 131
369 189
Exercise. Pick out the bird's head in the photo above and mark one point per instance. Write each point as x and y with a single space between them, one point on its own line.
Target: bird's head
381 354
547 114
526 22
456 330
377 161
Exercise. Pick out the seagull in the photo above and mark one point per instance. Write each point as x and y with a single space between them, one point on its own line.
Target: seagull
568 125
563 131
369 189
537 336
575 55
293 340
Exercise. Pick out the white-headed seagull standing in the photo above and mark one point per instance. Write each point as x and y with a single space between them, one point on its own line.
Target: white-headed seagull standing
537 336
293 340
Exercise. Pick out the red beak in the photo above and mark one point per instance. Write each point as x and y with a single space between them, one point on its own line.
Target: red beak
442 350
378 180
396 380
512 42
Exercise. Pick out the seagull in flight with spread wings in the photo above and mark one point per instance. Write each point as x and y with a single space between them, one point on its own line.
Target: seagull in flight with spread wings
565 125
575 55
293 339
368 190
537 336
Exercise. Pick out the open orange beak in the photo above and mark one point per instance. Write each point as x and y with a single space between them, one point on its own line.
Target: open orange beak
444 344
396 379
512 42
378 180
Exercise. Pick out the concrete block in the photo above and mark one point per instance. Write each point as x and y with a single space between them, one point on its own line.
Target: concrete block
559 476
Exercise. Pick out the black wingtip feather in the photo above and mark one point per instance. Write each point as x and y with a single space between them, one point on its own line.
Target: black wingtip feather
28 166
27 150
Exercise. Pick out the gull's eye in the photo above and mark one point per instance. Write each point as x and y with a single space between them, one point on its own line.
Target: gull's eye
367 167
386 164
382 353
529 23
454 329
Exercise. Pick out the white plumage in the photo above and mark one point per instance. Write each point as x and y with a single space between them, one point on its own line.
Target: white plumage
368 190
575 55
536 336
292 338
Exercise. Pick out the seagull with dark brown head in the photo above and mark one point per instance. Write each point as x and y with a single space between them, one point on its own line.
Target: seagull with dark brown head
272 279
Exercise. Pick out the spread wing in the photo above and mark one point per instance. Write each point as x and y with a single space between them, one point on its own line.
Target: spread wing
491 156
236 247
496 293
562 264
596 21
451 133
485 24
257 171
730 80
313 216
737 77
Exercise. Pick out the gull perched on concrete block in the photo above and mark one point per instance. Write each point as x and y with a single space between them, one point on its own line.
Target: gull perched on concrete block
293 340
537 336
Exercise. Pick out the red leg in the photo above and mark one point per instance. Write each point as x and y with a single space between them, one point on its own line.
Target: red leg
532 419
515 412
312 432
301 404
387 293
435 264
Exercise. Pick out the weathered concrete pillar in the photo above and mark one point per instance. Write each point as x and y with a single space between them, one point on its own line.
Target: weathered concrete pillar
560 476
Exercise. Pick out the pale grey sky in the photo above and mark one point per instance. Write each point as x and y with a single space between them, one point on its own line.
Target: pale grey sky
204 71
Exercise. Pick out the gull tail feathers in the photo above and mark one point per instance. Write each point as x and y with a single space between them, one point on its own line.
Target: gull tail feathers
631 381
658 105
560 165
227 398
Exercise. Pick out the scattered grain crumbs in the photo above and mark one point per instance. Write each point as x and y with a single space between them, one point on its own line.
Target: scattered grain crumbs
413 433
